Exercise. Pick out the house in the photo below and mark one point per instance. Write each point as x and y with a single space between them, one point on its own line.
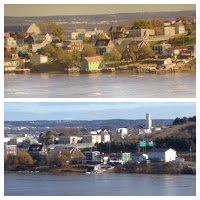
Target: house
72 45
35 150
160 49
175 51
120 158
91 156
91 139
92 63
10 42
139 157
33 28
139 44
169 30
10 149
162 154
123 132
104 46
144 33
105 158
179 28
39 58
76 155
69 139
105 136
118 32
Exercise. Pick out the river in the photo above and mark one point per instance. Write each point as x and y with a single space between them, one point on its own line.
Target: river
178 85
44 184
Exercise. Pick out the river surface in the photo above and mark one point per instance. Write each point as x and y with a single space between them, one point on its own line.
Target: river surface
44 184
179 85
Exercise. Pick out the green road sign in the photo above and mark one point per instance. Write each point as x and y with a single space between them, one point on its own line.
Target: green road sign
151 144
142 143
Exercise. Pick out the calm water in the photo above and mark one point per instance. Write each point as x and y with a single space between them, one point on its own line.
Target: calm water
37 184
100 86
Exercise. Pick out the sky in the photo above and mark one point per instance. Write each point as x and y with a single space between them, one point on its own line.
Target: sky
22 111
81 9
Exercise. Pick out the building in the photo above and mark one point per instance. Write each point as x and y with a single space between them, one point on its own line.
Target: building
120 158
10 149
175 51
179 28
169 30
72 45
91 139
91 156
105 136
33 28
160 49
92 63
143 33
139 157
104 46
10 42
148 121
69 139
35 150
123 132
39 58
162 154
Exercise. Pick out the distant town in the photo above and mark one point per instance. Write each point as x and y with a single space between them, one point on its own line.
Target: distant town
141 46
145 149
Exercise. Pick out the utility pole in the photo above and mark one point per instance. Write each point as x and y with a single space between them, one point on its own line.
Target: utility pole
190 154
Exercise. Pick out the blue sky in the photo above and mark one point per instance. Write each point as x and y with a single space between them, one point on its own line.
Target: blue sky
95 110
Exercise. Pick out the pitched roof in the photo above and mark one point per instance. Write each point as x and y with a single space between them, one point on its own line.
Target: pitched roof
94 59
178 48
35 147
102 42
160 149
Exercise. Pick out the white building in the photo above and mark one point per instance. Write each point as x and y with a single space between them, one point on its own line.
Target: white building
162 154
105 136
39 58
10 42
33 28
123 132
91 139
148 121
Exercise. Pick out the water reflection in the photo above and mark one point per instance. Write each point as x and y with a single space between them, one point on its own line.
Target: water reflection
100 85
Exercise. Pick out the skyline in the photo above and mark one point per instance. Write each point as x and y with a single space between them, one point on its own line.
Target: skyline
95 110
30 10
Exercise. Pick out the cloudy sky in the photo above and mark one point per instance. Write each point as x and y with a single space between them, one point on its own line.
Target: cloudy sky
81 9
93 111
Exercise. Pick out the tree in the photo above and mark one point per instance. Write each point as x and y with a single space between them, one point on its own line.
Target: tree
59 32
139 24
116 56
158 31
102 36
11 160
181 18
85 39
157 22
47 50
24 158
130 53
61 160
51 133
88 51
146 52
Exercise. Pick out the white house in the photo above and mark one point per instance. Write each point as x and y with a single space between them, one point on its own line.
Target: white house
39 58
162 154
105 136
123 132
33 28
10 42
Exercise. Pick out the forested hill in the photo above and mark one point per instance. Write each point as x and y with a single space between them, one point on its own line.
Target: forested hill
103 21
94 124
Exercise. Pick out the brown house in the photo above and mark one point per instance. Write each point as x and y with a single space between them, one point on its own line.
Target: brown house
104 46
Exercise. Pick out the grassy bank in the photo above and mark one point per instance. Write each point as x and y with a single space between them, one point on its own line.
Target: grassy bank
155 168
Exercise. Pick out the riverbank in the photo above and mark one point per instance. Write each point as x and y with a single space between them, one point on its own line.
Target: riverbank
136 168
156 168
